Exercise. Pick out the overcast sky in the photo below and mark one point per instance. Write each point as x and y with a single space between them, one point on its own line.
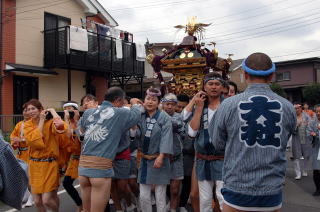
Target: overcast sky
241 27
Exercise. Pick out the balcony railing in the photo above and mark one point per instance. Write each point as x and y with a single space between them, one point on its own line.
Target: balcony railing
101 56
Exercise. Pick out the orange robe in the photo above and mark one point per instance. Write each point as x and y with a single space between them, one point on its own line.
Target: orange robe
23 149
310 113
44 176
64 153
75 150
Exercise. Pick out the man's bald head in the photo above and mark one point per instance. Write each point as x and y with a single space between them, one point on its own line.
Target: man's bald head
259 62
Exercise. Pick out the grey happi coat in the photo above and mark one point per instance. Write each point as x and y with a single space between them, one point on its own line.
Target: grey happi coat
102 129
301 143
160 142
313 127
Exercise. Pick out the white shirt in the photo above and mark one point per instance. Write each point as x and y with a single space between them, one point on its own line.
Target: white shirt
187 114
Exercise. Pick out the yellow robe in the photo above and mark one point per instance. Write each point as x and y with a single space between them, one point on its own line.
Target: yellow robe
23 149
44 176
75 150
64 155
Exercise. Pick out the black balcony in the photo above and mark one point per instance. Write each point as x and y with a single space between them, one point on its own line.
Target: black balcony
101 56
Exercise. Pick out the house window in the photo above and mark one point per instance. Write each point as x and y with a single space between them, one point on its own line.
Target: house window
24 89
52 21
286 76
56 38
283 76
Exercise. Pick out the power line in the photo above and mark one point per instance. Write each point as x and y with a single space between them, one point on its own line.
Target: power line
31 18
42 7
136 5
257 33
29 5
245 11
7 18
271 33
297 53
267 25
257 36
237 20
176 14
154 5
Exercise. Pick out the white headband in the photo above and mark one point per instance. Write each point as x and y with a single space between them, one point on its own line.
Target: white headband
71 104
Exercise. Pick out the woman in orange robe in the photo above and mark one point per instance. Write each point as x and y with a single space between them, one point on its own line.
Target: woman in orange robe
18 142
74 149
64 157
42 137
17 138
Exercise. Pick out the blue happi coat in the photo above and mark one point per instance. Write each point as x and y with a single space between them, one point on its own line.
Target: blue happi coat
102 129
313 127
253 128
160 142
178 134
206 170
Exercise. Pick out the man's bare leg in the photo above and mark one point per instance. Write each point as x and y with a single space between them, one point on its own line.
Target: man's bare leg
100 193
115 196
51 200
37 198
227 208
194 194
123 189
85 187
174 193
134 186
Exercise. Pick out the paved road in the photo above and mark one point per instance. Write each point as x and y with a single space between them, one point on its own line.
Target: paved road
297 196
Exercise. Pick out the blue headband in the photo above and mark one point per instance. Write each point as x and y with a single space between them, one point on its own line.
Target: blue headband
258 72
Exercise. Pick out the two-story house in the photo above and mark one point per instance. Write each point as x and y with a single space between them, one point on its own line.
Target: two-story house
294 75
37 61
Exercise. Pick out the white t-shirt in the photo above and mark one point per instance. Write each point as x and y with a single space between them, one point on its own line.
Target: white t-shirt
186 115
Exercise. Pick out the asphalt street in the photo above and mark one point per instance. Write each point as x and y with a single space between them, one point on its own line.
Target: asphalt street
297 196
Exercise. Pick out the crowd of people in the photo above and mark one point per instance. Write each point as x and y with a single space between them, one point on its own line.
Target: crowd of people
304 143
222 151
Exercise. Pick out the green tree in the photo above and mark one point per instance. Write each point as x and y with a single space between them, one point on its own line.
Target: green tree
278 89
311 93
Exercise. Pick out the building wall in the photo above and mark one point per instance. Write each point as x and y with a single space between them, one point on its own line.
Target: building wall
78 83
29 26
300 74
8 53
53 90
101 85
237 76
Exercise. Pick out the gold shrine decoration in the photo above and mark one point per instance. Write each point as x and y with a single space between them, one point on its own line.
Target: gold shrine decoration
169 64
193 27
187 74
189 61
186 81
